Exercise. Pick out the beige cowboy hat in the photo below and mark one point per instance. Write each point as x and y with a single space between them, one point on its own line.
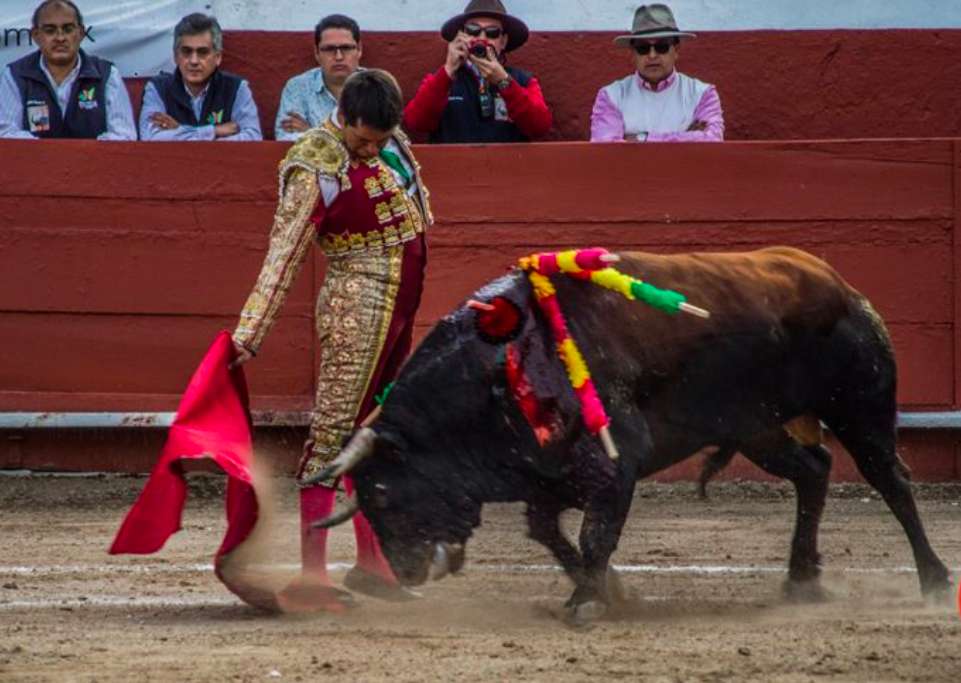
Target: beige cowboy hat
650 22
517 31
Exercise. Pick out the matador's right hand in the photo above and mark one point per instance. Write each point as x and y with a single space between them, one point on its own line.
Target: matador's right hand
241 355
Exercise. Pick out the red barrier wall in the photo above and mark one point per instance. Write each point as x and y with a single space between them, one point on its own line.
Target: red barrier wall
121 261
774 85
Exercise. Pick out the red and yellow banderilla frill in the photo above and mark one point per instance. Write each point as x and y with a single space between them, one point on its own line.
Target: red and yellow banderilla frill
592 265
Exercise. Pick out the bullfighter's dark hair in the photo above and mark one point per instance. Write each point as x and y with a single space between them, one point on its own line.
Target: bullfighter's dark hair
197 24
35 22
336 21
373 98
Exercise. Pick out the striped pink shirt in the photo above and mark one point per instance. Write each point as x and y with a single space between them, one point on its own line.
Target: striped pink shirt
632 106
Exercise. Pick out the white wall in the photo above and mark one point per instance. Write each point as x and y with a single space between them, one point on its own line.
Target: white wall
598 15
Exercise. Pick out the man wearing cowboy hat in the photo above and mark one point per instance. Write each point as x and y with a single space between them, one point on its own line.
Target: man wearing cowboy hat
474 96
657 103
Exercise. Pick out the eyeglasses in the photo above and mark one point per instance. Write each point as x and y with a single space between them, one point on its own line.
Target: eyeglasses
334 49
51 30
492 32
661 48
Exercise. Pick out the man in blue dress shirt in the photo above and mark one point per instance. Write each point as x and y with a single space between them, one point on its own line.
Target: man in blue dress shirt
60 91
309 98
198 101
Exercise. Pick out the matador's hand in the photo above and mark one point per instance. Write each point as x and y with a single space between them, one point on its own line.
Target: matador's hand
241 355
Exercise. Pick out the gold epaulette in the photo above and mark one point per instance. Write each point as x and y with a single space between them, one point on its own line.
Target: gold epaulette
318 151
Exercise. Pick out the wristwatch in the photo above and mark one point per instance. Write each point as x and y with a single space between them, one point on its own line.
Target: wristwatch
503 84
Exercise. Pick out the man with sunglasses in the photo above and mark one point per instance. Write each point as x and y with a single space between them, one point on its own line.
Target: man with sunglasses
474 96
309 98
657 103
60 91
198 101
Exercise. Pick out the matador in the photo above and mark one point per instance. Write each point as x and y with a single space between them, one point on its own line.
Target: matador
354 186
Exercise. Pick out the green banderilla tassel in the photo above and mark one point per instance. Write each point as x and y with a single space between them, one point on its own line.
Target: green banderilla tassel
663 299
381 398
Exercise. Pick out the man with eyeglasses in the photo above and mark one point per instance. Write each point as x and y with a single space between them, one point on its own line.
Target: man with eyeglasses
60 91
474 96
657 103
309 98
198 101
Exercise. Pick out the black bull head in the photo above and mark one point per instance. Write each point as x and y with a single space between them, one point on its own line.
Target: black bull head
788 341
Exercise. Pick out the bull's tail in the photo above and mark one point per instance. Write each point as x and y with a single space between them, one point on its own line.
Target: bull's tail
714 461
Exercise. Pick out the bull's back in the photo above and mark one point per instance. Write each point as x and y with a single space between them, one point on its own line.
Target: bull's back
770 309
777 282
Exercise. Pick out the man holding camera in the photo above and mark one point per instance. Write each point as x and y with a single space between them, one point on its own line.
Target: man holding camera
475 96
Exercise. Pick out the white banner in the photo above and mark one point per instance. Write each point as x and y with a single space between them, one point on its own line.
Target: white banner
597 15
136 35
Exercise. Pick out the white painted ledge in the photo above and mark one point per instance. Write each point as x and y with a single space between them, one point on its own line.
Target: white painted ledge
918 420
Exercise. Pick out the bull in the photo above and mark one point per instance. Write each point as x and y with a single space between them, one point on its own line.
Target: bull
789 346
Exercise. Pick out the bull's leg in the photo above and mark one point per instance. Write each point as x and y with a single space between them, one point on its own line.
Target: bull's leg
807 467
873 450
543 522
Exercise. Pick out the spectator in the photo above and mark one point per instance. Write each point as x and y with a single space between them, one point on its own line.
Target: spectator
198 101
657 103
474 96
308 99
60 91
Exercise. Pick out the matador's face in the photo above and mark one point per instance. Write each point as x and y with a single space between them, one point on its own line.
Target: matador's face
363 141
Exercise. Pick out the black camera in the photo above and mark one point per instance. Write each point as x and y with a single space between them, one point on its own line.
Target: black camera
478 49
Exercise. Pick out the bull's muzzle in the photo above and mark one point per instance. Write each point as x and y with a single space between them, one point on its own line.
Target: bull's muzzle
360 446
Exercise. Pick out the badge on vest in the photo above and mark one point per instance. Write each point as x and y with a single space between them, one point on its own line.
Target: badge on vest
500 109
38 116
88 99
215 118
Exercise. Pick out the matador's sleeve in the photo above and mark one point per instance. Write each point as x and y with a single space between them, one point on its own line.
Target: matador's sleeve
290 240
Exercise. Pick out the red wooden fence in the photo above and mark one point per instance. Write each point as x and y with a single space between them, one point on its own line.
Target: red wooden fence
119 262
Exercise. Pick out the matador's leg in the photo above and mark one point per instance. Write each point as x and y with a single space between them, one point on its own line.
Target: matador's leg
354 315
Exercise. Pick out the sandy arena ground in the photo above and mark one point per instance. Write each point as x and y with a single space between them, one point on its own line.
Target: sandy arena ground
704 578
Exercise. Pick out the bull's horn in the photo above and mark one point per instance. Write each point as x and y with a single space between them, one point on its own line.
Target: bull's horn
440 564
359 447
338 516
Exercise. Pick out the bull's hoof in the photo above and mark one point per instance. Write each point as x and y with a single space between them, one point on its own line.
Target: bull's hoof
939 593
360 581
806 592
616 595
586 613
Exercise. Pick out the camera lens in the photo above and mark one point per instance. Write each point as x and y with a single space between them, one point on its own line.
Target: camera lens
479 50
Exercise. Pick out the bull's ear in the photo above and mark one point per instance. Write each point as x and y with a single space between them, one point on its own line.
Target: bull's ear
498 321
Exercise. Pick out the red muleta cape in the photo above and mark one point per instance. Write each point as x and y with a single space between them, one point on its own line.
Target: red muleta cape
212 422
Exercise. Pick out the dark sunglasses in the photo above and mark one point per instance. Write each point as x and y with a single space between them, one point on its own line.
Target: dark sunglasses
661 48
334 49
492 32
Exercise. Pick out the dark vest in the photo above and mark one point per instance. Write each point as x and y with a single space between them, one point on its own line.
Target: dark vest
462 121
218 104
86 115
